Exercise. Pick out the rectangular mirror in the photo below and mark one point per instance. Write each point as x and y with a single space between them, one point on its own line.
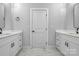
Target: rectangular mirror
76 15
2 21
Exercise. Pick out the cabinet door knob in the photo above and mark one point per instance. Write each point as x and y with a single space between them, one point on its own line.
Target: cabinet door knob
67 45
12 45
33 31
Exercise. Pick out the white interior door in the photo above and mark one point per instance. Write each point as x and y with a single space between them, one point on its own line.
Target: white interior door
39 28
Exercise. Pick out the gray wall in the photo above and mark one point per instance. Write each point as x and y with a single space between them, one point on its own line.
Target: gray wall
8 17
57 20
2 16
69 17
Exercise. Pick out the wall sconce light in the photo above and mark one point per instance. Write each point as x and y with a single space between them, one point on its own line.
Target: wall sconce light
17 18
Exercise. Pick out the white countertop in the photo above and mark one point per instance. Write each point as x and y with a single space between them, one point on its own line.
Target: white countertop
68 32
9 33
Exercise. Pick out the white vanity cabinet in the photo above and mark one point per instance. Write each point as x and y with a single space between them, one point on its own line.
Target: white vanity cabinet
4 50
74 46
63 45
14 47
11 45
74 49
16 44
69 44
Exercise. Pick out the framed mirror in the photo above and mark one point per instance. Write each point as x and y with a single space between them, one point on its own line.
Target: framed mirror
2 17
76 15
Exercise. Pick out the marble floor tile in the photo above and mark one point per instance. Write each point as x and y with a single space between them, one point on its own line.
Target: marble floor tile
39 52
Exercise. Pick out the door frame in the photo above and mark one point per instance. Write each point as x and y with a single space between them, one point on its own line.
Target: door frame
31 25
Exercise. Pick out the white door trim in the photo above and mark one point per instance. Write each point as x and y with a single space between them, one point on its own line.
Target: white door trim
31 24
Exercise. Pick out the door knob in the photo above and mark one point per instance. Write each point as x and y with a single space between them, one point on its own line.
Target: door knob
33 31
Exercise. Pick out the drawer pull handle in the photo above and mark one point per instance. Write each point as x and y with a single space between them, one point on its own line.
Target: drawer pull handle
67 45
12 45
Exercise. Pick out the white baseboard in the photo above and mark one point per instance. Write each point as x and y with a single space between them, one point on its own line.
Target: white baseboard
27 47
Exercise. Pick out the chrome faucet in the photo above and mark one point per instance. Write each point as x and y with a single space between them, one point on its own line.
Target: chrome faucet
0 30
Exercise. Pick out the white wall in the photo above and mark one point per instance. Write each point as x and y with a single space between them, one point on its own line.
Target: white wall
8 17
57 19
2 16
69 17
57 14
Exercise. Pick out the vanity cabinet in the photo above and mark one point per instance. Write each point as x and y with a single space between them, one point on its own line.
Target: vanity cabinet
74 49
4 50
67 44
63 44
14 47
11 45
16 44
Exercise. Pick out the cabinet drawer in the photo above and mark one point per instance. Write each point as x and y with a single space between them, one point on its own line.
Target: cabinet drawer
14 36
63 37
8 39
58 36
13 47
5 40
77 39
74 39
4 50
74 49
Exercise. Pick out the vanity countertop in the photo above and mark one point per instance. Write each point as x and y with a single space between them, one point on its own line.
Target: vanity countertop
9 33
68 32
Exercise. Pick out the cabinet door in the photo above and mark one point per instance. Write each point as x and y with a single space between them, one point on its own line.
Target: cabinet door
65 47
4 50
20 43
16 44
58 41
74 49
14 47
